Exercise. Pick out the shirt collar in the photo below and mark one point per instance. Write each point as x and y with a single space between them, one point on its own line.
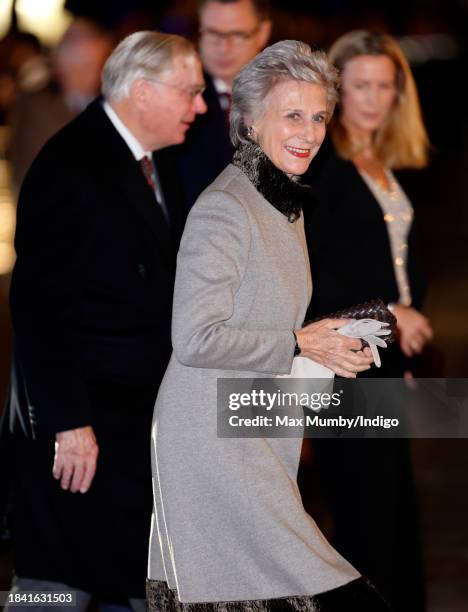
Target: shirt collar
221 87
130 140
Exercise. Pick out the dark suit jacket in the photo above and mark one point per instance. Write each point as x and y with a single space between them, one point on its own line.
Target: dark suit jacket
348 242
92 287
207 149
91 301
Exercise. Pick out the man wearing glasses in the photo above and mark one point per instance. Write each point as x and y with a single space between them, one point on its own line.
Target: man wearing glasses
99 218
232 32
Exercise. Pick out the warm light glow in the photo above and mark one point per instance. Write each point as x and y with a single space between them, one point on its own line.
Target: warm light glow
7 230
5 14
7 219
7 258
7 210
45 18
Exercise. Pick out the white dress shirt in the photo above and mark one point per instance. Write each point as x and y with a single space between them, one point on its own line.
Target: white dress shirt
134 146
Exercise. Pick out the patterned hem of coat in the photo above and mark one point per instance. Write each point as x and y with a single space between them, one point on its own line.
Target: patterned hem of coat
356 596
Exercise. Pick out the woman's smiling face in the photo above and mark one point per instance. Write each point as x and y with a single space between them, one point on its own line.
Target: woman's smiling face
292 127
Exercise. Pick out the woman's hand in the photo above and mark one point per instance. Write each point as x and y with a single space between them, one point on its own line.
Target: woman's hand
321 342
415 329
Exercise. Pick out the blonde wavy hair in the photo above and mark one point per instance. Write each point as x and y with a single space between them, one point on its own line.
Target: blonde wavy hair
402 141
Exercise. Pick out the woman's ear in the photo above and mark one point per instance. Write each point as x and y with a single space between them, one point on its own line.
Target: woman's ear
251 133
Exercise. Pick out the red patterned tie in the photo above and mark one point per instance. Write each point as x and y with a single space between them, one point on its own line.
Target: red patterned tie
147 167
148 170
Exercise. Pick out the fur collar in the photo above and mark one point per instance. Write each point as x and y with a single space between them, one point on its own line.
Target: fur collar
286 195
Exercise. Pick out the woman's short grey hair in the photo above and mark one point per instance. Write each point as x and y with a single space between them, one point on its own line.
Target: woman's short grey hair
141 55
285 60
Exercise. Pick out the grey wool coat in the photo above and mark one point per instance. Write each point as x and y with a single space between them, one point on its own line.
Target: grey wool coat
228 521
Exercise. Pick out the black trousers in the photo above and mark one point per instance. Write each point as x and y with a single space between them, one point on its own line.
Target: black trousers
370 493
368 487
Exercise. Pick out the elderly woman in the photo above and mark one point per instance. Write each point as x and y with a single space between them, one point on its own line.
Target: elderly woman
229 524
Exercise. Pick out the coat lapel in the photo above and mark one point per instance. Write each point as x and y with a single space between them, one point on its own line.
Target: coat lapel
140 195
166 166
123 170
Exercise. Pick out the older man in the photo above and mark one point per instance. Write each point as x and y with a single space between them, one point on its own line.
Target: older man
232 32
99 219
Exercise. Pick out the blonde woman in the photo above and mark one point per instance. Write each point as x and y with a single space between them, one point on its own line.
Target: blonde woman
377 128
362 244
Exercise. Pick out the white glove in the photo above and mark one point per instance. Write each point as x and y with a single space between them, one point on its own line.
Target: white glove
368 330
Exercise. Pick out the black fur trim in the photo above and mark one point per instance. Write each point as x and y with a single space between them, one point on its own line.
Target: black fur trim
356 596
160 598
286 195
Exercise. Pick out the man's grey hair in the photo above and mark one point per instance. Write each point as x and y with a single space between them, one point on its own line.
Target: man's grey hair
283 61
141 55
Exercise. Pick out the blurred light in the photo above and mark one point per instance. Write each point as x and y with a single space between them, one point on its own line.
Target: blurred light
5 16
7 210
7 258
7 219
7 230
45 18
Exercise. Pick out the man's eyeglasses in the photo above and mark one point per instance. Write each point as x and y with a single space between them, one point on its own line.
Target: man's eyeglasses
235 37
191 92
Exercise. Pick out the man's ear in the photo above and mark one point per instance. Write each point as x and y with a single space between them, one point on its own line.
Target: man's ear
139 93
264 32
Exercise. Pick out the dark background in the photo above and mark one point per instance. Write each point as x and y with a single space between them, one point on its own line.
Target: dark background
434 36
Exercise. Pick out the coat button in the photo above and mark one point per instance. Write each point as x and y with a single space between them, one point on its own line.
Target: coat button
32 415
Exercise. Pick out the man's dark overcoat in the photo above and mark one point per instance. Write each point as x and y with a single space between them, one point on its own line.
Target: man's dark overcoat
91 301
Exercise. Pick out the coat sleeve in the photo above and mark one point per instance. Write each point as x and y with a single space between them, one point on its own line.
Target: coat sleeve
53 227
211 264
